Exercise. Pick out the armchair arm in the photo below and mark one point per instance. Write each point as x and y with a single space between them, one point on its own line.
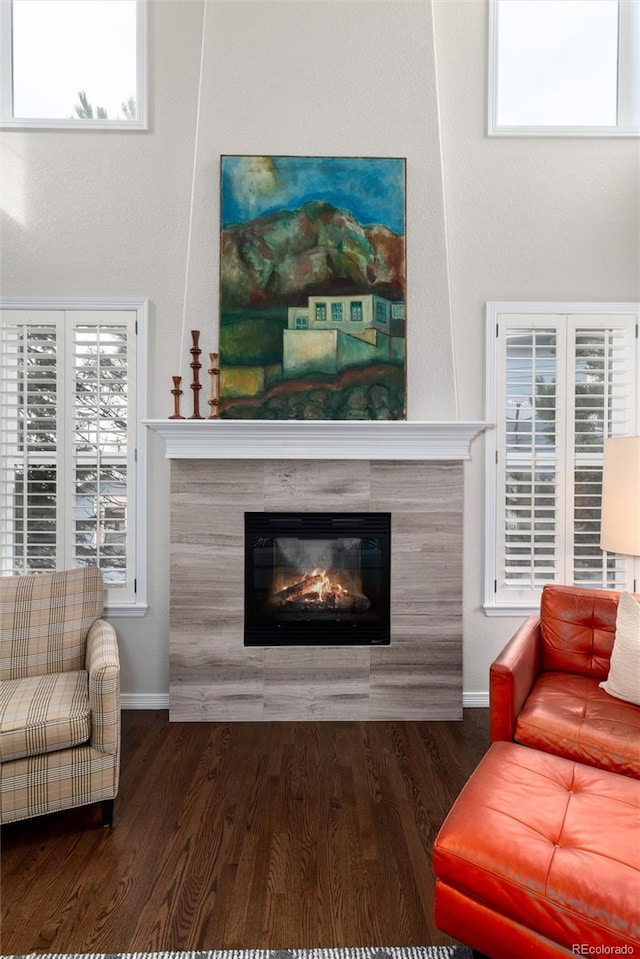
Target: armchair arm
511 677
103 665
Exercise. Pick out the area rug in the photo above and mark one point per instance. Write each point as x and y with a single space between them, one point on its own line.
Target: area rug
388 952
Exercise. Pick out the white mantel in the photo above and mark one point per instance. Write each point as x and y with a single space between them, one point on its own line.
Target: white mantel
317 439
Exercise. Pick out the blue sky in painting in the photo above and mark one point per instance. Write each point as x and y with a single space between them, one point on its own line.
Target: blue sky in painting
371 189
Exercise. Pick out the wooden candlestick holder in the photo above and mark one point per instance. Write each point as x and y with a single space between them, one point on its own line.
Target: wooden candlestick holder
214 370
196 386
176 392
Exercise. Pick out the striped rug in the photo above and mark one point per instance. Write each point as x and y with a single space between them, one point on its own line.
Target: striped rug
388 952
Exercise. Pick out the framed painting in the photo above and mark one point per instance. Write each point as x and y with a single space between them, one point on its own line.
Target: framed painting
312 288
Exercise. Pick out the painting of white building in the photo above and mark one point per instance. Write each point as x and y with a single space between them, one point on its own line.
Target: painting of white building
328 235
333 333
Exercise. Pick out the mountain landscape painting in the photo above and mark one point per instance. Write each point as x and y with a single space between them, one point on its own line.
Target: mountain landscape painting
312 288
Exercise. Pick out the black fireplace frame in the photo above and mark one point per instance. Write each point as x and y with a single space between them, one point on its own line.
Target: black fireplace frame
309 633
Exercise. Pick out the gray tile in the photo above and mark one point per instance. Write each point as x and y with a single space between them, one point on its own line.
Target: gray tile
317 485
214 677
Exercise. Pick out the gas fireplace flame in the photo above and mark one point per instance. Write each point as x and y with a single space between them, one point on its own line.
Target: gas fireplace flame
321 590
326 587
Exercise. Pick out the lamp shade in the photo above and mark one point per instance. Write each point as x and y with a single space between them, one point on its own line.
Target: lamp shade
620 524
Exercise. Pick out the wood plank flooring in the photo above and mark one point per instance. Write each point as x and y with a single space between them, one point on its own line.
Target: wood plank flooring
245 835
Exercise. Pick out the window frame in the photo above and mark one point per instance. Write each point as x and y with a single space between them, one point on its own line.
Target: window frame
494 310
9 121
356 311
140 307
337 312
628 81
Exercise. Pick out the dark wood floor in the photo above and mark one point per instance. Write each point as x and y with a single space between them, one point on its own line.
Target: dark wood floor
267 835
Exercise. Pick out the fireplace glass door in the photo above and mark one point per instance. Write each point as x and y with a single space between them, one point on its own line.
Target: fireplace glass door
316 579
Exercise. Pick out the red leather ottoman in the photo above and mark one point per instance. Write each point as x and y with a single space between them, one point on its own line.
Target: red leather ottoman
540 856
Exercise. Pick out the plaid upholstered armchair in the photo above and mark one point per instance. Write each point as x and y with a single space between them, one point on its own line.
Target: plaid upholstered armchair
59 695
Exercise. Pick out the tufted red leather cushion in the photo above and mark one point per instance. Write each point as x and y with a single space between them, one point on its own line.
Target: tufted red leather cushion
578 628
550 844
571 716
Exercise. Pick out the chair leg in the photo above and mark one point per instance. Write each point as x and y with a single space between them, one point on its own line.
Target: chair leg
107 811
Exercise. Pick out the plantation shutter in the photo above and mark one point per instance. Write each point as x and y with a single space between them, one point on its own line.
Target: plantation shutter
67 444
564 383
31 460
601 405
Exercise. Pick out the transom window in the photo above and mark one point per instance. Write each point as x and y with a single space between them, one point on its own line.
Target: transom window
564 67
73 63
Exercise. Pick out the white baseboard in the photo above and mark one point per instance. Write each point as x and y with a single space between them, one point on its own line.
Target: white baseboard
475 699
144 700
161 700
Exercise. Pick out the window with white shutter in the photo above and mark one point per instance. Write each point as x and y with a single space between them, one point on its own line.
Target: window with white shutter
68 445
559 384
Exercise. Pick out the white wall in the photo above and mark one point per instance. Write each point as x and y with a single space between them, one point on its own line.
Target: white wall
106 214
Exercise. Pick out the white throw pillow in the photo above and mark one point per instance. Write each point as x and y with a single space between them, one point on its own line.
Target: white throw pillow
623 680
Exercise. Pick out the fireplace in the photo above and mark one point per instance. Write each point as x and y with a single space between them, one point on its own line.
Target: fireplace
317 579
221 469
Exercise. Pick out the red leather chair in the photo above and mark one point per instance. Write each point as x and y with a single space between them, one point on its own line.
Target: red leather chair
544 686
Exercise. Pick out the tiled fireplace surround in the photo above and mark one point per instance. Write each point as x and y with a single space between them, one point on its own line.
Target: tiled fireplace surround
219 470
